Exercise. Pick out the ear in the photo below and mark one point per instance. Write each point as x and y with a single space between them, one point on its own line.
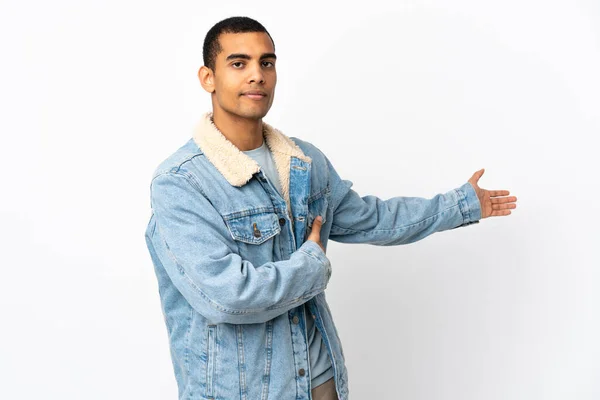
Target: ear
206 77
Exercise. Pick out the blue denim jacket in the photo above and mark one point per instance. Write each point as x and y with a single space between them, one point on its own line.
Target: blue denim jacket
234 267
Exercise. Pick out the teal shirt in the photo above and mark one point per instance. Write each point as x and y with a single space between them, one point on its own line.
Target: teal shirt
320 364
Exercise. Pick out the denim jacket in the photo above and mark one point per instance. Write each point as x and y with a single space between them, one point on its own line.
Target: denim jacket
234 267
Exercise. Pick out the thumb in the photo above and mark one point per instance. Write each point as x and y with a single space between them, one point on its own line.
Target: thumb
317 223
477 175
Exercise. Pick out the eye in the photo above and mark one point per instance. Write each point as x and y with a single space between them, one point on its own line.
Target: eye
237 62
269 62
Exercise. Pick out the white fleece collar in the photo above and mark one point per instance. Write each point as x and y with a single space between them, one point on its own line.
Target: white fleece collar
238 167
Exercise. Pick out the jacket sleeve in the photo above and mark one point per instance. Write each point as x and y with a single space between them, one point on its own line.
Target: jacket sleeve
192 243
398 220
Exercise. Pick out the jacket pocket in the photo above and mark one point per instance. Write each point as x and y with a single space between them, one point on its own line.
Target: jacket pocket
211 355
253 227
318 206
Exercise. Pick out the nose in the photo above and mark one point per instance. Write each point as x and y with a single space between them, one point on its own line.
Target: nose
256 74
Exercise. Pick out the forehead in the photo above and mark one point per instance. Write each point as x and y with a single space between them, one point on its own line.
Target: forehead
252 43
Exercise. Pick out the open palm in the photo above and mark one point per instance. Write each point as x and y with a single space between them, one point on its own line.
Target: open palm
492 205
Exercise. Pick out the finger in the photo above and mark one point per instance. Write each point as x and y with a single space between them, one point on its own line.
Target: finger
500 213
503 200
503 206
495 193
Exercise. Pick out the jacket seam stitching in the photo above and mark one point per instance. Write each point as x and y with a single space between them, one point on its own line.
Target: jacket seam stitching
318 195
187 343
268 360
464 206
175 168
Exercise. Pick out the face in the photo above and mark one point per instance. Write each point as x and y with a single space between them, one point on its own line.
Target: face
243 82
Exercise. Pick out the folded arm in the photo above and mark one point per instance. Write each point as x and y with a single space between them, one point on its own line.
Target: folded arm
191 242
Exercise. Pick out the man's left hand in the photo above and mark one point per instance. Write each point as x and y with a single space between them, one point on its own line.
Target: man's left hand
492 205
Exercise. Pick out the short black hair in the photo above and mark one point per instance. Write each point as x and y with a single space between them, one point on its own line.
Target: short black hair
229 25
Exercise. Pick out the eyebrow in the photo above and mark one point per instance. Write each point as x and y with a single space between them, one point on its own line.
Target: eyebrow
247 57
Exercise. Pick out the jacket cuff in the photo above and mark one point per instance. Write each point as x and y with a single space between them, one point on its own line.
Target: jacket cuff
469 204
313 249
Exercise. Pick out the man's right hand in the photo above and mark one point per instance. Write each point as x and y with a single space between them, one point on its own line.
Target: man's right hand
315 233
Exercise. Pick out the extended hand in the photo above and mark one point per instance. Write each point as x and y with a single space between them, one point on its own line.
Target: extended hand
491 202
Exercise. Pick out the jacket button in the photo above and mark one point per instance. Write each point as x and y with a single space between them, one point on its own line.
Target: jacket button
282 221
256 230
295 319
301 372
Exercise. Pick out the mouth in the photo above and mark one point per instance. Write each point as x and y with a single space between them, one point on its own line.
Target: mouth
255 95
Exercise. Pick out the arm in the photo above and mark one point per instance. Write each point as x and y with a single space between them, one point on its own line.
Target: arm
192 243
398 220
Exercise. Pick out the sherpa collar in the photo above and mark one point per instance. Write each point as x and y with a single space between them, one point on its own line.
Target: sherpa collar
238 167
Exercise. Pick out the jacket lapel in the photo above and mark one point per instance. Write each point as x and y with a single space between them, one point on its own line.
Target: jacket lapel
235 166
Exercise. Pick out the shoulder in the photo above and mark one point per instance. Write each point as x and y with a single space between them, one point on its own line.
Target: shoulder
176 161
309 149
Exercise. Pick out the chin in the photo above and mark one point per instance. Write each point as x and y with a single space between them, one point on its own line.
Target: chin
254 114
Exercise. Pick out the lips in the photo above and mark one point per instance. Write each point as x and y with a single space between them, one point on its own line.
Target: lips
255 94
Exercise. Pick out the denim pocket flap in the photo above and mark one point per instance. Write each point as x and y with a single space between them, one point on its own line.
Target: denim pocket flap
255 228
316 207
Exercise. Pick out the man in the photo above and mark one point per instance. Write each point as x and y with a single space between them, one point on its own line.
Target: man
241 216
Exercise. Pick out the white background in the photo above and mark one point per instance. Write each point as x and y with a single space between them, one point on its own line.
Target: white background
406 99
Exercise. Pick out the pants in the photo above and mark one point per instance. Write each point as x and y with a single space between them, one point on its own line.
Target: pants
326 391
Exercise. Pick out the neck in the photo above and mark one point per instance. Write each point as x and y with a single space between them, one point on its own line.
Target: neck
245 134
